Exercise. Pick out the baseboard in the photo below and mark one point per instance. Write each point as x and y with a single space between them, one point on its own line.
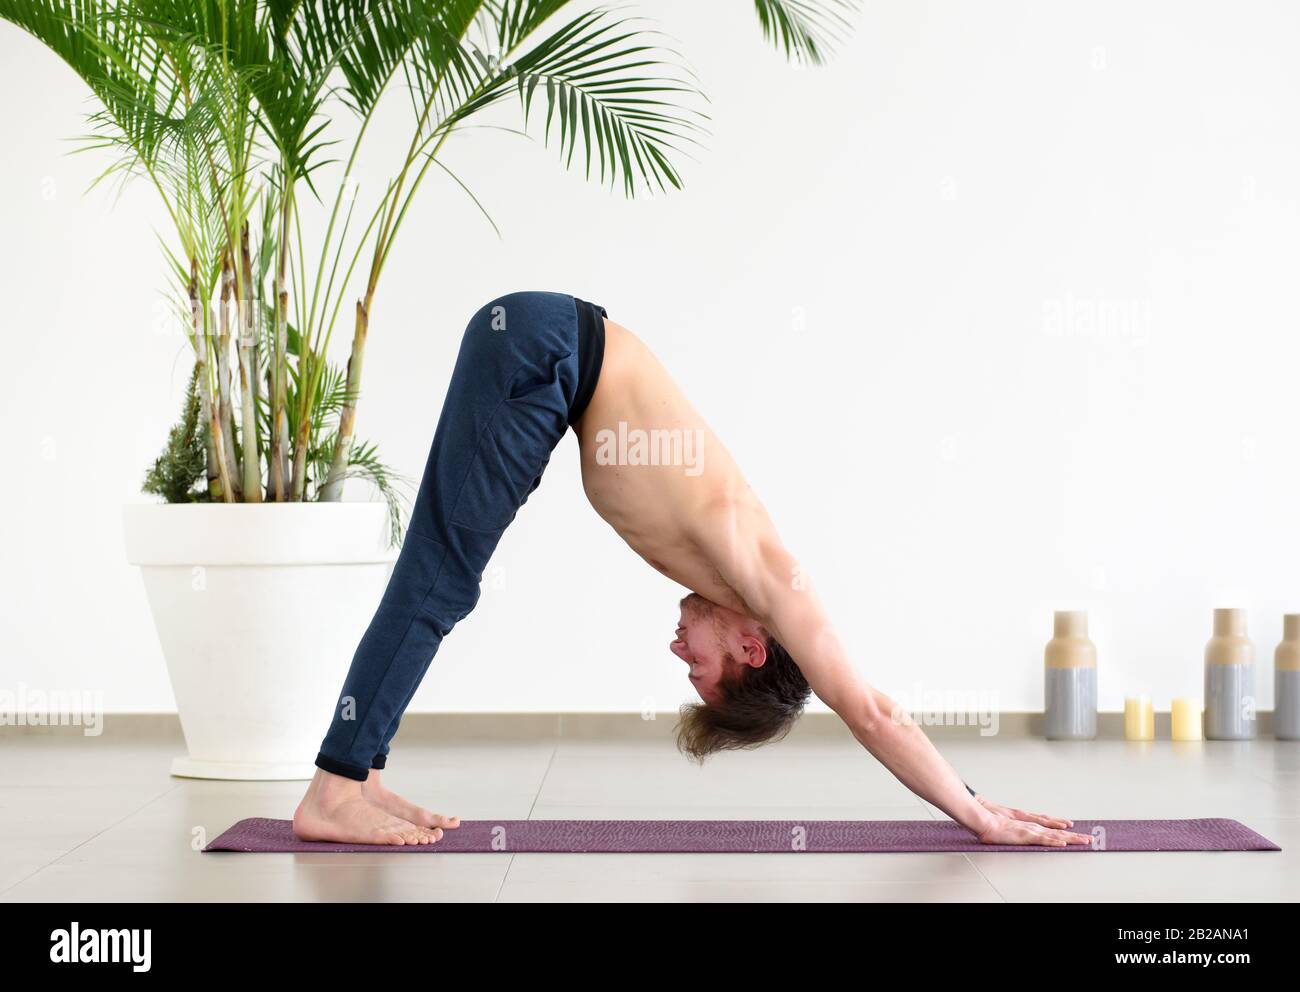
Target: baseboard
590 726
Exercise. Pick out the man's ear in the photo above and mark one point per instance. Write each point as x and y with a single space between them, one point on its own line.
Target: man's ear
753 651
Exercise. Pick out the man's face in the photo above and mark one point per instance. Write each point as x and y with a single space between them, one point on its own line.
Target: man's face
710 638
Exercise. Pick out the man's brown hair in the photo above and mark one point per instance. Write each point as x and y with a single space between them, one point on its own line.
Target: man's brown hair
758 705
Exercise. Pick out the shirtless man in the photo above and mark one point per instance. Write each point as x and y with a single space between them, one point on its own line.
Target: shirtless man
752 632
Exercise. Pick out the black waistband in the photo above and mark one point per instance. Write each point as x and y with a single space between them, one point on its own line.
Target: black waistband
591 353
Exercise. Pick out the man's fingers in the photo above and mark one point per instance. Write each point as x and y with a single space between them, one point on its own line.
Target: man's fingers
1047 821
1026 832
1011 813
1078 838
1057 838
1041 819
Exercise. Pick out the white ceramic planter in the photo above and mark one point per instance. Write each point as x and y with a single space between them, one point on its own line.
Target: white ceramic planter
258 609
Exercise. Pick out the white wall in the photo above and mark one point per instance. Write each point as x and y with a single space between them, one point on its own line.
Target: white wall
876 287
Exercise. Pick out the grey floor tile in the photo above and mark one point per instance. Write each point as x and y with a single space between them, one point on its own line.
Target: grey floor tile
41 823
73 760
227 878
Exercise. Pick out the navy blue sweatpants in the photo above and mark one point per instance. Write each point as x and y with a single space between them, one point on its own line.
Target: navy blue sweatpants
511 398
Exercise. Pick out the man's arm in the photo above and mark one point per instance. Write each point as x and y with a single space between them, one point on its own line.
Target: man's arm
796 618
743 546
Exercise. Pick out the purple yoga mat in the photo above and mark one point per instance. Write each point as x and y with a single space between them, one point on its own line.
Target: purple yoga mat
739 836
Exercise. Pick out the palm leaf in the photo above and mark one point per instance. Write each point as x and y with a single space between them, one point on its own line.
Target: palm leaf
609 84
805 30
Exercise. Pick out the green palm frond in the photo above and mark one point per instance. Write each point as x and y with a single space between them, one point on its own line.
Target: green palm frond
506 23
805 30
333 393
380 43
116 57
606 86
141 117
610 85
365 464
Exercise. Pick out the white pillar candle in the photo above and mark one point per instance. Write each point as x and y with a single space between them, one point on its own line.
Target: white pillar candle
1185 720
1139 719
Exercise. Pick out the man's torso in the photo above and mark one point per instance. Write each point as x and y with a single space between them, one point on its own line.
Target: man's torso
637 416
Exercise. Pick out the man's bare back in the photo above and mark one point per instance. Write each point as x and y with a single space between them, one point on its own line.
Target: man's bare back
656 508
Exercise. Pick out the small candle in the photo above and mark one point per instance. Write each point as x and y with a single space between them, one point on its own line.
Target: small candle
1139 719
1185 720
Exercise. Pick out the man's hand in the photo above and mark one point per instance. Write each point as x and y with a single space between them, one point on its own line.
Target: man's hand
1015 826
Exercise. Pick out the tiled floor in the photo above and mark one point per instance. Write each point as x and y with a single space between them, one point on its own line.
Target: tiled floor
94 819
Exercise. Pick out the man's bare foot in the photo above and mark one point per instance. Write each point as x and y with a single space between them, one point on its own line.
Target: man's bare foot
390 802
334 809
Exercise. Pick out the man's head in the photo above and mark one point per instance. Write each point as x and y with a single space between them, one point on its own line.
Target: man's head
751 687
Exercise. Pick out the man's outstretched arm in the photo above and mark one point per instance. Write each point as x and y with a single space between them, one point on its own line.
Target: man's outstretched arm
744 547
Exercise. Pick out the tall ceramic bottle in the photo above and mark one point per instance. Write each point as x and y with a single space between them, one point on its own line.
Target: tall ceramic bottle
1286 681
1229 679
1070 679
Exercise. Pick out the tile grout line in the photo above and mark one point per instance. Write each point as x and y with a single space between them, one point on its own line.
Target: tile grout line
987 881
930 810
540 786
76 847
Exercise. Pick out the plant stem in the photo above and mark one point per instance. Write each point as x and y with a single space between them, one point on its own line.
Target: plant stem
248 360
332 491
226 409
218 478
282 447
301 443
279 423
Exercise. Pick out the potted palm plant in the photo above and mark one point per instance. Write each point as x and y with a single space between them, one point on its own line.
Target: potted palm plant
226 107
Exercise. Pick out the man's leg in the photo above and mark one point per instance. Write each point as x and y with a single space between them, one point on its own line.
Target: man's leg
505 410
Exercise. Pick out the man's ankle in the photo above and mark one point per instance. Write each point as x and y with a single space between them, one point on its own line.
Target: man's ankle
328 785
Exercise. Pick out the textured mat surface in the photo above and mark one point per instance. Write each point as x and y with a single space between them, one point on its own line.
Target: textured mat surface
740 836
